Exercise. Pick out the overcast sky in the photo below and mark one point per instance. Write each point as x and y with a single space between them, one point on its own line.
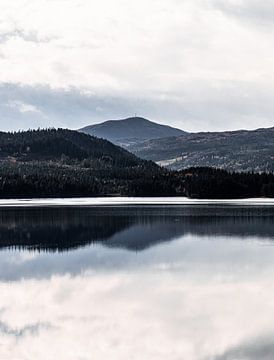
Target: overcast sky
194 64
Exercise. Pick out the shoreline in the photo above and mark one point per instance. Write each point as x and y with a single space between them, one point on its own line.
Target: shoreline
130 201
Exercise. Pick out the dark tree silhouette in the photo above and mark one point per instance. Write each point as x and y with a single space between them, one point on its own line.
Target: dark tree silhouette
51 163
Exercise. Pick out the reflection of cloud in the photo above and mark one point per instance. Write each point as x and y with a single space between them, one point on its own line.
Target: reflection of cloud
261 348
192 298
194 254
143 314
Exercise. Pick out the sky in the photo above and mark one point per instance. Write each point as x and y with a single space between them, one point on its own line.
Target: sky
200 65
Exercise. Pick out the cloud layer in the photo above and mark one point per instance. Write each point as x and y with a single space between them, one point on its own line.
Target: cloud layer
199 65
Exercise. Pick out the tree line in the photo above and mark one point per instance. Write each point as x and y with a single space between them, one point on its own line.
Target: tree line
65 163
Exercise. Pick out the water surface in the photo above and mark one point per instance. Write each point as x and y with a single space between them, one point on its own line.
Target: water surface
191 282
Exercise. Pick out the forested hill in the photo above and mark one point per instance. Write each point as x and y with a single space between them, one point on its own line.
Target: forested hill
68 163
62 145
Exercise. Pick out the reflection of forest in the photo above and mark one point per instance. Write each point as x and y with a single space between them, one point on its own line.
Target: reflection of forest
132 228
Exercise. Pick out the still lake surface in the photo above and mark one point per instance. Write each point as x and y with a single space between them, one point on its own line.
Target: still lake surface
192 282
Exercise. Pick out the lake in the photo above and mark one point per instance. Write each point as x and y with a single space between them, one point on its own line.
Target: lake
141 282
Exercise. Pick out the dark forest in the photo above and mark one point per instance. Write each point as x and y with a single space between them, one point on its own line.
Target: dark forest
65 163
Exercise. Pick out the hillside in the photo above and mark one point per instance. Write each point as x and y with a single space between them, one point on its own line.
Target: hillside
68 163
231 150
62 145
65 163
130 131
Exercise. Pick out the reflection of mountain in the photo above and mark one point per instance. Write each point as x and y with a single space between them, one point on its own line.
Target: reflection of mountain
56 229
131 228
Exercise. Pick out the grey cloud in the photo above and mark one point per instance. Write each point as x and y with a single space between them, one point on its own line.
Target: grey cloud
31 329
231 105
65 108
261 348
254 10
30 36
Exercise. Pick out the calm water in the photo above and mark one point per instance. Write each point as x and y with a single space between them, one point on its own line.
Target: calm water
176 283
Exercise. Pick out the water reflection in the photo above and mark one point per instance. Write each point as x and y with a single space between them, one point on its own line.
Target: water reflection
137 229
173 283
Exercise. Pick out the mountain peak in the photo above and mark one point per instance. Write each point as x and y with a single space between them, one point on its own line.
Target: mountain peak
136 119
131 130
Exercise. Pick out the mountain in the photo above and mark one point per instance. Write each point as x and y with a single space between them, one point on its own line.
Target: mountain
231 150
175 149
130 131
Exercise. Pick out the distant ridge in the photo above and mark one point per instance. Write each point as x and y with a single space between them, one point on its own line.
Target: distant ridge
241 150
131 131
